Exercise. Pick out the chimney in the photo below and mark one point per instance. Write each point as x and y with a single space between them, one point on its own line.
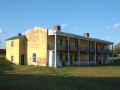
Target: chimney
57 28
86 34
19 34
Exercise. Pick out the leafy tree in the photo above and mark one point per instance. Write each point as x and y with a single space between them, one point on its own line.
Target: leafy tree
116 49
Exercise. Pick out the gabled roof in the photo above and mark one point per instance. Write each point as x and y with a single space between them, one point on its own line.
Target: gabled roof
16 37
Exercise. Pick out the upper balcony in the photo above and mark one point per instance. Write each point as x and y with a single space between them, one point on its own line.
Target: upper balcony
105 50
73 48
98 50
92 50
59 47
84 49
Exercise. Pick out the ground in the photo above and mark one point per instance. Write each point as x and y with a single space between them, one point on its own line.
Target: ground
97 77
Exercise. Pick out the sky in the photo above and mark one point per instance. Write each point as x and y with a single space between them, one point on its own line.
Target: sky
99 18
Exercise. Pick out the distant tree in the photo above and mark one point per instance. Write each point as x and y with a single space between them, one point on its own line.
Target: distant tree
116 49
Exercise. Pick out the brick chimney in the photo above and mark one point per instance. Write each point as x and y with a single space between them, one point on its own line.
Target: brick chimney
86 34
57 28
19 34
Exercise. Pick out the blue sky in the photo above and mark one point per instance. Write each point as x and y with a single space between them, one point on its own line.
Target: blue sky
100 18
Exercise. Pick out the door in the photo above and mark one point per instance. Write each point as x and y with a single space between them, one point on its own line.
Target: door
22 59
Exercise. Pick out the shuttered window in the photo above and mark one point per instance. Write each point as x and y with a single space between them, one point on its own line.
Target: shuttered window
34 57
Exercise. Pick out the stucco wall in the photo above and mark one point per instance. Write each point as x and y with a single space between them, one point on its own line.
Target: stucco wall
12 51
37 43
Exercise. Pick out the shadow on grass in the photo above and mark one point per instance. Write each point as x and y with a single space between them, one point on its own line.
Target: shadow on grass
5 65
34 82
98 83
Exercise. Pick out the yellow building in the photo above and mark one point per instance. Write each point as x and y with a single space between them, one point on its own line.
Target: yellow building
55 48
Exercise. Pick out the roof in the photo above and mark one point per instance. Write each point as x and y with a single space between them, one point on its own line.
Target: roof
16 37
53 32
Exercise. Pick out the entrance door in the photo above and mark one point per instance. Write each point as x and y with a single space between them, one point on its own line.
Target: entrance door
22 59
97 59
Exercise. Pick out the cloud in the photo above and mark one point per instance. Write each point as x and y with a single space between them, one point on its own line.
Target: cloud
108 27
110 32
26 32
117 25
1 32
74 28
63 25
11 34
107 37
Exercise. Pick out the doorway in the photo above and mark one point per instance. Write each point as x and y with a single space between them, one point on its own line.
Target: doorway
22 59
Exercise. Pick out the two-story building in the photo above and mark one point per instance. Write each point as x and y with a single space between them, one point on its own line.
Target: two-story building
55 48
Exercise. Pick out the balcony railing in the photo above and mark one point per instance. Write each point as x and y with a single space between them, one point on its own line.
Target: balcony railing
84 49
91 50
99 50
51 47
105 51
73 48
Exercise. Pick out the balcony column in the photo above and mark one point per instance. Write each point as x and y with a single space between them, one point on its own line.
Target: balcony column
87 52
101 53
55 63
68 63
95 52
78 51
112 54
107 61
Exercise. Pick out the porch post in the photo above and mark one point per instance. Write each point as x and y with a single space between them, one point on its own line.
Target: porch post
68 63
55 63
107 61
112 54
78 51
101 53
95 52
87 52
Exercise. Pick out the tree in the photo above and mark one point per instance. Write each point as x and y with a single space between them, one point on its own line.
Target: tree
116 49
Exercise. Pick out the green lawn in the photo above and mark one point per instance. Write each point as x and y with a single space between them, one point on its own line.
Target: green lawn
18 77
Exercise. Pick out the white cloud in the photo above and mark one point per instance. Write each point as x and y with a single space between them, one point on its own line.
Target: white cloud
108 27
74 28
107 37
63 25
117 25
26 32
1 32
11 34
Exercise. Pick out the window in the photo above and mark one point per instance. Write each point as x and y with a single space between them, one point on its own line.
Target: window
11 58
76 43
76 57
12 43
66 57
59 41
34 57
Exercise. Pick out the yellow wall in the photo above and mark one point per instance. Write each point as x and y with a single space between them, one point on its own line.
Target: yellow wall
83 43
37 43
63 39
12 51
83 56
51 40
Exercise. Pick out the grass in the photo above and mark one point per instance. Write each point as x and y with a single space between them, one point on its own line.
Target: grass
98 77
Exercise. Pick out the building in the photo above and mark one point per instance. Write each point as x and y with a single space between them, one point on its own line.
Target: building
55 48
